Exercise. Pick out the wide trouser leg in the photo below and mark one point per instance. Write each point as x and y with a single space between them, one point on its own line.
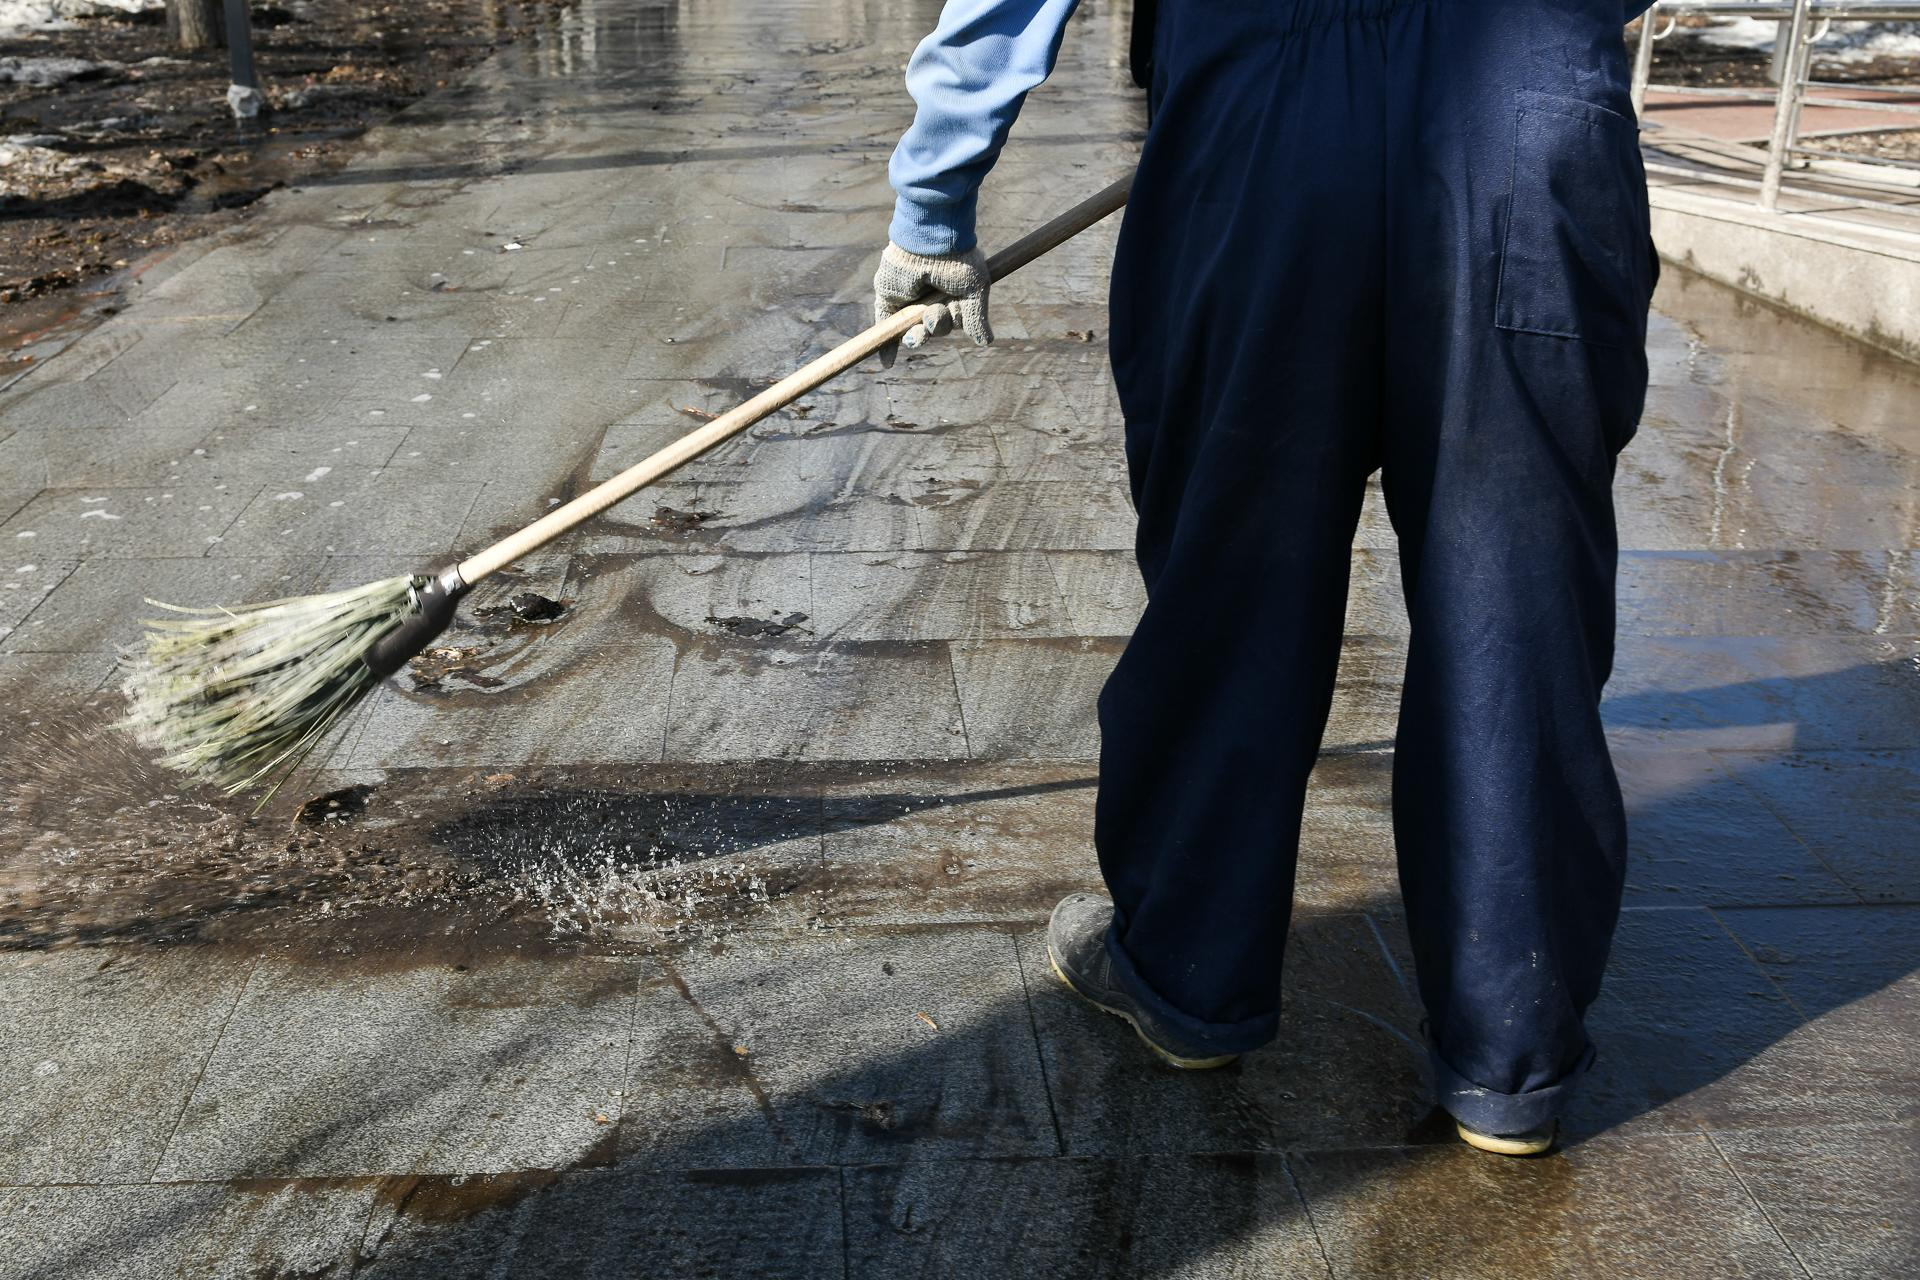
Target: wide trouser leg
1518 282
1247 331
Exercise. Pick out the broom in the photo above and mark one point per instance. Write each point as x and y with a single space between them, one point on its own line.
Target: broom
237 697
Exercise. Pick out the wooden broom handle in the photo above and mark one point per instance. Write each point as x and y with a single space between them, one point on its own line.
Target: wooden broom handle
779 395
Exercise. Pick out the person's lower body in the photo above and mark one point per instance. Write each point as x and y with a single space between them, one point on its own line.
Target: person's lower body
1409 236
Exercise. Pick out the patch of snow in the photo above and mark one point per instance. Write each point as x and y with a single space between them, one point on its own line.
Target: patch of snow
26 15
1846 42
318 473
45 73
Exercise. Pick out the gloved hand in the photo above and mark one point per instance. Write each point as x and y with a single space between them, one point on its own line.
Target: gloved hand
903 278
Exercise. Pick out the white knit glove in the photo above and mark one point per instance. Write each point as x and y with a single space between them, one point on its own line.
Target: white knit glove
905 278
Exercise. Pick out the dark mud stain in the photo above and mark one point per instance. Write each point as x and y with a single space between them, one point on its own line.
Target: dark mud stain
527 606
333 807
756 628
673 520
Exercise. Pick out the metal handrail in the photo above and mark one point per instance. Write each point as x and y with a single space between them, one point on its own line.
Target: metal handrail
1797 19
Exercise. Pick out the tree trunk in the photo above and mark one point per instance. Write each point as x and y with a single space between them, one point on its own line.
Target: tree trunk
197 24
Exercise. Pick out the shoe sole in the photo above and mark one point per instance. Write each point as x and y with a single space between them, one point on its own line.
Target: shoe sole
1171 1059
1524 1146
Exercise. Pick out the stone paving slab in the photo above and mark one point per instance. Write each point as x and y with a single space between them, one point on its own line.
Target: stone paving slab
1187 1217
1841 1198
332 1070
101 1052
221 1231
1852 809
837 1051
614 1223
1653 1206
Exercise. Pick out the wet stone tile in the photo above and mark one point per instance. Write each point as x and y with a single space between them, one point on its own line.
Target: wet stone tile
911 845
1344 1067
582 689
1103 592
100 607
1346 858
326 1070
1853 973
1853 809
1610 1206
1698 833
1040 515
100 1053
1033 699
390 513
217 1230
1841 1197
744 698
950 596
1764 693
25 586
1764 593
56 675
838 1050
1192 1216
596 1225
76 524
1690 1031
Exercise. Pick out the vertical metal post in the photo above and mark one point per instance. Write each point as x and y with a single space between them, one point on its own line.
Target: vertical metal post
1643 58
1786 107
243 94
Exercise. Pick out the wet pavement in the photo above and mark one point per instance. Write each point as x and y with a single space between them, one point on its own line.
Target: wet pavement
695 930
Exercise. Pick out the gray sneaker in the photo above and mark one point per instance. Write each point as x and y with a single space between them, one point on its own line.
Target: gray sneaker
1077 945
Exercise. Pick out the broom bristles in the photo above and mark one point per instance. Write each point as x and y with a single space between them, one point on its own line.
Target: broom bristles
237 697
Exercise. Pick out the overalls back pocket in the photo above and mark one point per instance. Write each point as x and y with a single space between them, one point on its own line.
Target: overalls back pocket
1576 261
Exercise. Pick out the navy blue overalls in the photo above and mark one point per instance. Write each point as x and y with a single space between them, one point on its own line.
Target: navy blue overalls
1404 235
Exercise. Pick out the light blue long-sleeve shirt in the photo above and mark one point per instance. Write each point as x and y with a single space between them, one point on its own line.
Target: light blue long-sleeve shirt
968 79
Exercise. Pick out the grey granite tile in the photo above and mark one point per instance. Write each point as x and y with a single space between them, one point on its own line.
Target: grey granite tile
1692 1032
583 688
1854 974
947 596
833 1050
1346 834
220 1231
108 397
911 844
1841 1197
1103 591
1035 515
1747 593
1173 1216
1854 809
1007 717
100 606
1764 693
327 1070
1344 1068
1697 834
1651 1206
102 1049
389 513
597 1225
25 585
58 677
77 524
131 456
1366 694
745 698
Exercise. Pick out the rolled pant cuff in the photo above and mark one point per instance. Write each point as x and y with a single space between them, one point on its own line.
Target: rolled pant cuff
1486 1111
1194 1033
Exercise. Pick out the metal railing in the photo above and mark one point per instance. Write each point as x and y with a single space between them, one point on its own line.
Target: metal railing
1802 25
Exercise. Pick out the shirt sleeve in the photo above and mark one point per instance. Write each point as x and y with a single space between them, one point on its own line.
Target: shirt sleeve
968 80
